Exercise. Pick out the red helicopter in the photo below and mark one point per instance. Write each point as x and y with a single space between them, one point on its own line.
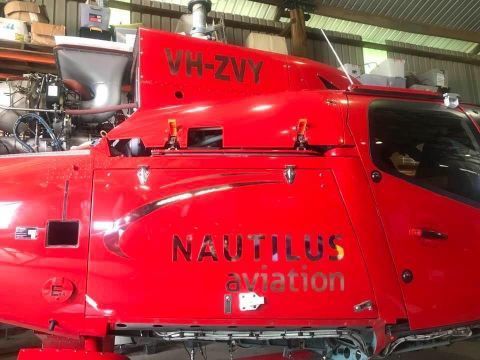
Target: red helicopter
252 199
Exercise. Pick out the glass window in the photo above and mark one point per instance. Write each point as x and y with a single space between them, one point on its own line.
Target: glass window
372 58
427 144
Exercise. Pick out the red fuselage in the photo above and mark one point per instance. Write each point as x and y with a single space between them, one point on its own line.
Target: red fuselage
98 241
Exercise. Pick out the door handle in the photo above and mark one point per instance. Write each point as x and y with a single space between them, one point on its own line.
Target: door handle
429 234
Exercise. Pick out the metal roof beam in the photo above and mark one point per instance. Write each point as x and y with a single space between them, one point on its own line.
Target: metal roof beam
311 33
475 50
298 33
387 22
279 13
396 24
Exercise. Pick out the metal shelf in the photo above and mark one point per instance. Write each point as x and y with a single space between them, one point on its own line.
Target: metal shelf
17 58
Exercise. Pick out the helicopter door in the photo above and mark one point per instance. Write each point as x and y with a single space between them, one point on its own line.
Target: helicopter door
424 162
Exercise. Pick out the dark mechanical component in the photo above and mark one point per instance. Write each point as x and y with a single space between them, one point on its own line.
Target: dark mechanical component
34 125
52 324
376 176
407 276
135 147
46 112
206 3
306 5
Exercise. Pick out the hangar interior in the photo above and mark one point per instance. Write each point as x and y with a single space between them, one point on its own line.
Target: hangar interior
82 79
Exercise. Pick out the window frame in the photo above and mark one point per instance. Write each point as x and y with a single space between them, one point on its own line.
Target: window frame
398 104
473 112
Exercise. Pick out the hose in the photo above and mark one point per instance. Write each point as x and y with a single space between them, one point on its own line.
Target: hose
104 109
12 108
77 112
5 146
56 143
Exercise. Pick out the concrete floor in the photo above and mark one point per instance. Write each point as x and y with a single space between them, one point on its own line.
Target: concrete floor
459 351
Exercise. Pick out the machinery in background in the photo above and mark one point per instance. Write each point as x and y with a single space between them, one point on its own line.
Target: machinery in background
195 24
93 20
44 112
40 131
32 131
435 80
391 73
95 71
246 201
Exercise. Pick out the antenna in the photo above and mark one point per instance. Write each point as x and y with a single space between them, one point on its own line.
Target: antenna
337 57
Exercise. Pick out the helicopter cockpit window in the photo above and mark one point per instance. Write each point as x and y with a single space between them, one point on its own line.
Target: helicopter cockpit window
427 144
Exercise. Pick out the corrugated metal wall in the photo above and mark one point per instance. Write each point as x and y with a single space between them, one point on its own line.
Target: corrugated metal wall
65 12
317 50
463 79
156 21
62 12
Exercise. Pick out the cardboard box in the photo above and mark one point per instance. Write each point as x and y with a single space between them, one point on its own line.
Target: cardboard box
13 30
21 6
44 34
434 77
390 68
381 80
266 42
24 11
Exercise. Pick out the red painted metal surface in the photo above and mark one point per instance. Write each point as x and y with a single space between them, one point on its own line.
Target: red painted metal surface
279 210
10 77
263 121
159 235
27 56
28 264
444 289
184 70
394 92
56 354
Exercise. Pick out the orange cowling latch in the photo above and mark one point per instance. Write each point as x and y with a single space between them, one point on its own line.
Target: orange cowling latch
301 141
172 123
172 142
302 127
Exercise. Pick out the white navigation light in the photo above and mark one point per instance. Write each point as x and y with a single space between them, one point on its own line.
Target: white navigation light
451 100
